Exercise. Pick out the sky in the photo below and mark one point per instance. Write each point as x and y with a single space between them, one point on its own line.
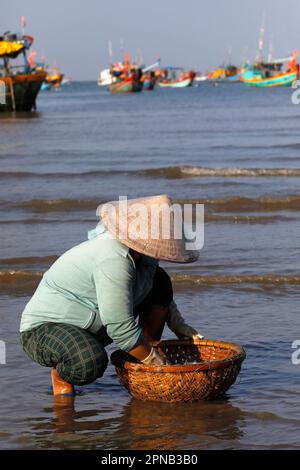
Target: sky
196 34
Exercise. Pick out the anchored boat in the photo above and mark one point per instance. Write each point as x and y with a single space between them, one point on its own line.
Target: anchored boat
270 74
131 84
228 74
53 79
20 83
149 80
126 78
170 80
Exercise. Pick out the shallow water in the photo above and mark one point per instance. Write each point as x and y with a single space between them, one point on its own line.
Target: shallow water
234 148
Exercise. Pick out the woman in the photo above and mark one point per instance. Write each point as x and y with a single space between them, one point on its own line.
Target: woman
107 289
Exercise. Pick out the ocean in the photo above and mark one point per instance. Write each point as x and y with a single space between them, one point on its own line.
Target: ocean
233 148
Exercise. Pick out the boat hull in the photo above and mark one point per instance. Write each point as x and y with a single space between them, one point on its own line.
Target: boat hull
176 83
284 79
149 84
45 86
25 90
126 86
229 79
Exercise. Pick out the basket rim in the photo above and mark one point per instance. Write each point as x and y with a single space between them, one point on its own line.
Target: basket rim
238 356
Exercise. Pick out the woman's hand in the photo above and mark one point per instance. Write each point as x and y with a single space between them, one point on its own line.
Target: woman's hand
176 323
155 359
198 336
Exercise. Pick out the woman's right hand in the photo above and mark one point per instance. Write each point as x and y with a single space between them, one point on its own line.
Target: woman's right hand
155 359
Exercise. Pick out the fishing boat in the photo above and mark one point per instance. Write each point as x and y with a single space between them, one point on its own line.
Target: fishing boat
270 74
53 79
119 82
105 78
225 74
184 80
20 83
131 84
66 81
200 78
126 77
149 80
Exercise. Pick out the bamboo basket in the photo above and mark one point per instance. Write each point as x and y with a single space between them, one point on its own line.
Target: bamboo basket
200 370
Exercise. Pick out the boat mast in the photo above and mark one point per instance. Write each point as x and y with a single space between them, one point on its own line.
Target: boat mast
245 58
23 24
260 56
110 52
270 55
122 50
229 55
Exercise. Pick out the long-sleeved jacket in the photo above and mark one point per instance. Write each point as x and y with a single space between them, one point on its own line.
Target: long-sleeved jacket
94 286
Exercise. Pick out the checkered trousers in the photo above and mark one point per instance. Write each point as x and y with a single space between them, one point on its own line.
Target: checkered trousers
76 353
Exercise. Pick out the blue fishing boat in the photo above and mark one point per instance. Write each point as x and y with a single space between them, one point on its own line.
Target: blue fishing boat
270 74
149 80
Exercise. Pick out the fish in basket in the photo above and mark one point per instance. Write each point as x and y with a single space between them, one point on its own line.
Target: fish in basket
199 370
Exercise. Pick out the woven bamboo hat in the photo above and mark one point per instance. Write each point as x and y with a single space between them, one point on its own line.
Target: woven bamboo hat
150 226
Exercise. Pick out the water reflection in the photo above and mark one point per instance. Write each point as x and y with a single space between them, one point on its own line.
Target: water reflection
150 425
11 116
139 425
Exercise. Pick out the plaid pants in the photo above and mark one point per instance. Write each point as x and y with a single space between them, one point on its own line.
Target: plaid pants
76 353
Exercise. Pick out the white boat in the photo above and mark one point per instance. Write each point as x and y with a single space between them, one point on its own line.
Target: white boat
200 78
105 78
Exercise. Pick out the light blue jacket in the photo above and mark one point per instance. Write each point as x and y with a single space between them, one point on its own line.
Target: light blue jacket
94 286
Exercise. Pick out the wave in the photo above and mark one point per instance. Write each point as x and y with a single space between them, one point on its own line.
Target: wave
262 279
231 204
90 220
169 172
56 205
209 217
246 219
18 282
19 276
246 204
175 172
58 174
27 261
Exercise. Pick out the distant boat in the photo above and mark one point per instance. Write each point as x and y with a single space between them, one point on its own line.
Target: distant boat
126 85
21 83
228 74
105 78
45 86
254 77
126 77
270 74
112 77
200 78
149 80
66 81
53 80
185 80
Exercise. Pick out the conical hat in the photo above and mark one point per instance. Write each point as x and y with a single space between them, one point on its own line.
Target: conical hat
149 226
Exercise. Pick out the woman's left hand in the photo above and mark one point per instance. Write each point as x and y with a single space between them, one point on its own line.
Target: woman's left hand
198 336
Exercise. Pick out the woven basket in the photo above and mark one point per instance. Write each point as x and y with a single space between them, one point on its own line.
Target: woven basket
202 370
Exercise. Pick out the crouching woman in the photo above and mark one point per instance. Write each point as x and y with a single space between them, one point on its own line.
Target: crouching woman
107 289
